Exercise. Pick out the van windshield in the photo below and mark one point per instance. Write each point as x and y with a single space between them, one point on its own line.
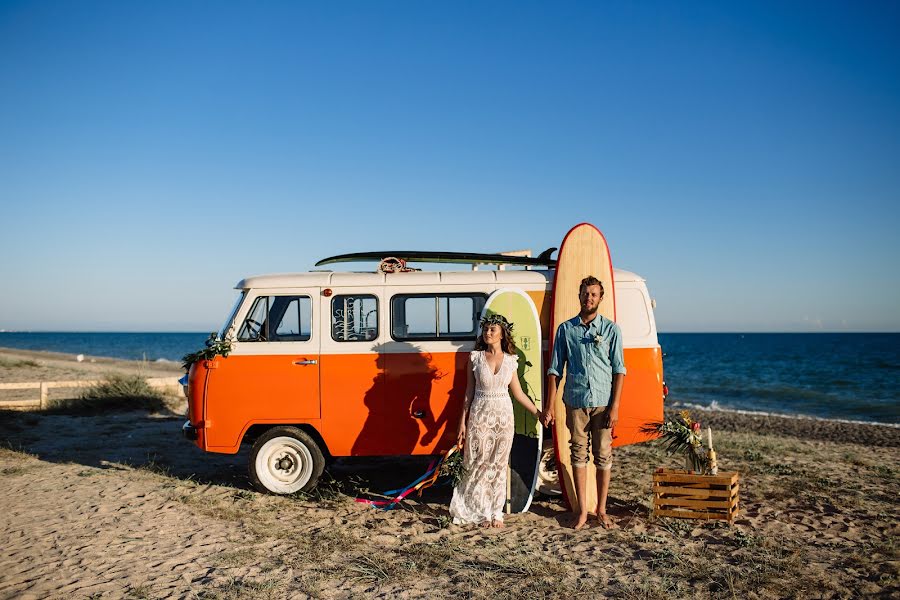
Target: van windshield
223 333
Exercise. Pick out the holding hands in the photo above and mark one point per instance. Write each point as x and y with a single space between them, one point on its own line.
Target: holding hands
547 416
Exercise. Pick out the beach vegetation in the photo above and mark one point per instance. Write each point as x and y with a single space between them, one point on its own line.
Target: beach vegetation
6 363
116 392
140 592
753 455
883 471
16 470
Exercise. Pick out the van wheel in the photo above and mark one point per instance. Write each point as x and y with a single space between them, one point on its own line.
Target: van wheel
285 460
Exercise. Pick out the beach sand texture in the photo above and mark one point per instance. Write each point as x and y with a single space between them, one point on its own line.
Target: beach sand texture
119 506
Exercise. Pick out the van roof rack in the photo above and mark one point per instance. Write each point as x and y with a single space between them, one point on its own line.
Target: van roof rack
461 258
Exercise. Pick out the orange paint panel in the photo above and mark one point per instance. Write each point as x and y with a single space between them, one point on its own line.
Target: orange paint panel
391 404
241 390
642 397
425 394
354 419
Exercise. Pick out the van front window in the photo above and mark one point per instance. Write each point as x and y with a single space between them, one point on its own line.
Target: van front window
278 319
226 327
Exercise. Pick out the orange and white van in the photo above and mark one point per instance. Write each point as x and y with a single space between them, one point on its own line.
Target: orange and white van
335 364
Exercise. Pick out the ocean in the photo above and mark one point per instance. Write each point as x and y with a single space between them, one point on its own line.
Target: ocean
828 375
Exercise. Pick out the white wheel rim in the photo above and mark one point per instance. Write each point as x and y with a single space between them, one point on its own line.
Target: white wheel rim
284 465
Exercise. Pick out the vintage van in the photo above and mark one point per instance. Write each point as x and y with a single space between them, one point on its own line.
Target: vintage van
337 364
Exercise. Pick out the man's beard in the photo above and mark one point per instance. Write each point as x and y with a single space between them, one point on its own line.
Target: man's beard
590 311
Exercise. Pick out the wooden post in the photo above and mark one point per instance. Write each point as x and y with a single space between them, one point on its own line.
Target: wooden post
44 393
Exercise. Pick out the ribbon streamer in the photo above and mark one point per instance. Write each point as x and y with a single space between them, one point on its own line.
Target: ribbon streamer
425 481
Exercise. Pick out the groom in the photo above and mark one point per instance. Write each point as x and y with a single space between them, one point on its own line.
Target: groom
589 347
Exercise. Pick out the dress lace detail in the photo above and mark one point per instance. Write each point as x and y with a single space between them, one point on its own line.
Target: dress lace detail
481 493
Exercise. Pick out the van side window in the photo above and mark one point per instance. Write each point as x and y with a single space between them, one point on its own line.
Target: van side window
436 316
354 318
631 313
278 319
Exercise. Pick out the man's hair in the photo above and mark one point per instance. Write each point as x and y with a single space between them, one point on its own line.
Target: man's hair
589 281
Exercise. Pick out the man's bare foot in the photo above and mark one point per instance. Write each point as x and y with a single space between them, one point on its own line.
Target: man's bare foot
497 524
580 522
605 522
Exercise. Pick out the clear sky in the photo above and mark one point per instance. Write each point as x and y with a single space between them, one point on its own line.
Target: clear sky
743 157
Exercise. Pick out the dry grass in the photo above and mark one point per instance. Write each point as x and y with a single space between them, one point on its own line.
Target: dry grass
6 363
116 392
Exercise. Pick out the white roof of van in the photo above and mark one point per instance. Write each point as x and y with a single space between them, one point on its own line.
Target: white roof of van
344 278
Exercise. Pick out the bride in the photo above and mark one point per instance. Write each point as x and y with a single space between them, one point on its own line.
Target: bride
486 425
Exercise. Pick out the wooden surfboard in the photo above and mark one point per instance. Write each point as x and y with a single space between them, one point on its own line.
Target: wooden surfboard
525 455
583 252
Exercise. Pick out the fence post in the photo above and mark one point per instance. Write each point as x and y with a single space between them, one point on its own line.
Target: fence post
44 392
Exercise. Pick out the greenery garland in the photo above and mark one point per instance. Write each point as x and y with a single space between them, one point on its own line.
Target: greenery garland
215 346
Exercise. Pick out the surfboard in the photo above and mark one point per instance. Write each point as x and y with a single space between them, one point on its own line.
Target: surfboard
525 455
583 252
461 258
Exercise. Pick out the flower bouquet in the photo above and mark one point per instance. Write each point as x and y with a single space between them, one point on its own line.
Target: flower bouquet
681 435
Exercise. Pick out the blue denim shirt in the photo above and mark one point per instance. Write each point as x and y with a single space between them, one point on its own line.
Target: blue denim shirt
591 355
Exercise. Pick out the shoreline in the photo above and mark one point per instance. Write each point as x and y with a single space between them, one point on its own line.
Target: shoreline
88 358
761 413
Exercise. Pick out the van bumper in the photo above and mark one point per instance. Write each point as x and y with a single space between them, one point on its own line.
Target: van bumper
189 431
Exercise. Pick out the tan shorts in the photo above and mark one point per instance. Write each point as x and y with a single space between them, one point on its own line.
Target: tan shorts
586 424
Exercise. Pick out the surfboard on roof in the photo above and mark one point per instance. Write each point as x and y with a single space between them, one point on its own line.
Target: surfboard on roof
461 258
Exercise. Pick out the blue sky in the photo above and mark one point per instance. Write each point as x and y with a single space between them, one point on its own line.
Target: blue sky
744 159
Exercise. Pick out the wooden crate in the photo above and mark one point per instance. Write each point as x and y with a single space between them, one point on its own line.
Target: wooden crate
687 495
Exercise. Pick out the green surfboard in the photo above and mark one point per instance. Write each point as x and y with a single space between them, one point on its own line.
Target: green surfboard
525 455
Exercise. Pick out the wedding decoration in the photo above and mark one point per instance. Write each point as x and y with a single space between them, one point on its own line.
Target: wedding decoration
682 436
215 346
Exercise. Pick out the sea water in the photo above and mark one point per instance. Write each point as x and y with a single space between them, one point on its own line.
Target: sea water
850 376
830 375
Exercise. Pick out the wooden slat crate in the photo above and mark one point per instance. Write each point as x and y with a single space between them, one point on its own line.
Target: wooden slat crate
687 495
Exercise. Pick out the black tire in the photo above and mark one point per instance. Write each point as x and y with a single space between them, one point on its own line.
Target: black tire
285 460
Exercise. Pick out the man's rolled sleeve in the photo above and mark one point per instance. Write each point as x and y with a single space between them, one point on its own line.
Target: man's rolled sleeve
616 359
558 360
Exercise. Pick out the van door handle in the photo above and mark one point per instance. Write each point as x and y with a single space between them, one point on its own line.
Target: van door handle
306 361
419 414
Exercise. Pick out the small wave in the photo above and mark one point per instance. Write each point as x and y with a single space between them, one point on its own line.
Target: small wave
164 361
714 406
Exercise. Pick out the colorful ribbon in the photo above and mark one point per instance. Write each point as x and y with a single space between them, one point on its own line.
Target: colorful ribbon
426 480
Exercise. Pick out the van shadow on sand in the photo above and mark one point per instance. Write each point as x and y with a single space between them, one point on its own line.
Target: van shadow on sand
139 440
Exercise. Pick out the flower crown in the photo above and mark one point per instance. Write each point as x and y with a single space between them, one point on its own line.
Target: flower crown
497 319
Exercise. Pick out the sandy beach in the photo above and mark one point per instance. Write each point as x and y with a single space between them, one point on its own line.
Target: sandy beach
118 505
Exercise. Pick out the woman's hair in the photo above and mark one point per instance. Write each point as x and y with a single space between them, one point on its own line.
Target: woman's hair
507 344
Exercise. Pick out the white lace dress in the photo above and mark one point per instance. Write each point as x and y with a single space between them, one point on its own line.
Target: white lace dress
481 493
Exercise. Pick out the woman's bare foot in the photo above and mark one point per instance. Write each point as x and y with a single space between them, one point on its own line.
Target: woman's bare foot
580 521
497 524
605 522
